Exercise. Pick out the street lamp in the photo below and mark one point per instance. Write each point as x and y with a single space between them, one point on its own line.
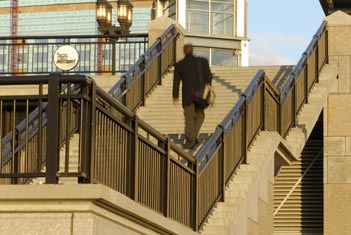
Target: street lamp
104 17
124 14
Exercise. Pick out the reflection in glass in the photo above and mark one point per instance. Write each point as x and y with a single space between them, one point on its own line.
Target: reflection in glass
210 17
197 22
222 24
169 9
224 57
202 52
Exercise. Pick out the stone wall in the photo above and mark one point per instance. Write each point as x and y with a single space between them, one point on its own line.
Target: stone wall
337 130
78 209
159 25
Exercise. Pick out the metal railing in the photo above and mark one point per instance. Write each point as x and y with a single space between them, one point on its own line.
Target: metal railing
24 147
260 107
161 54
133 87
97 54
117 149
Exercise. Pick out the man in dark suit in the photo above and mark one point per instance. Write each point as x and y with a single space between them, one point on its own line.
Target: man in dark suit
187 72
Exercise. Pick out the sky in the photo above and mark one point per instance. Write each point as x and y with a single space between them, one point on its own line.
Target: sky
280 30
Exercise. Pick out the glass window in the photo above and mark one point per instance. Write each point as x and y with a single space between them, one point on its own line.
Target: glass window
202 52
42 41
125 67
40 69
210 17
83 40
217 57
222 7
84 55
22 58
40 58
128 54
222 24
107 54
60 40
2 59
169 9
223 57
198 5
197 22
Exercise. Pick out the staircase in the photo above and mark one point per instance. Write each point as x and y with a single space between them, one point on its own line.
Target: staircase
298 193
239 212
228 84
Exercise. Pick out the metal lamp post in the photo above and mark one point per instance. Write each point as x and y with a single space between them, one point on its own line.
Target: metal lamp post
104 17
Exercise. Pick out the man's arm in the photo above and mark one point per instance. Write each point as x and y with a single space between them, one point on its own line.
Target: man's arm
176 84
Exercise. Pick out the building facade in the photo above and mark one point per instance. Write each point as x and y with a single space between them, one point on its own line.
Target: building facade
217 28
65 17
35 18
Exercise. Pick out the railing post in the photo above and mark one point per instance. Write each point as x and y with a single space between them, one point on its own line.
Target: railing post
263 103
100 59
222 163
294 100
124 86
166 177
244 129
159 60
14 142
326 46
195 200
317 60
16 162
306 78
175 51
134 161
143 83
280 114
86 130
52 142
279 107
113 41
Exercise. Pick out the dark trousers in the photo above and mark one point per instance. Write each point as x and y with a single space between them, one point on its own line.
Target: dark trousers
194 118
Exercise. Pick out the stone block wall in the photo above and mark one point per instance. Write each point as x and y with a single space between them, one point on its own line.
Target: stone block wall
337 130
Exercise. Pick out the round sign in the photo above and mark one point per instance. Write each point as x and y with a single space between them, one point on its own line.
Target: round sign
66 58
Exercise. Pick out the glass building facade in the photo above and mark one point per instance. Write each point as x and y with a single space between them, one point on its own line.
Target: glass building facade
65 17
60 18
216 28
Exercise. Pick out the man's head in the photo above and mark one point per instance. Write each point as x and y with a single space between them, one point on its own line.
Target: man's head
188 49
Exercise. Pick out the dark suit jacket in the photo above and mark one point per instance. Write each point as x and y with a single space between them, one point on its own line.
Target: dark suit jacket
187 71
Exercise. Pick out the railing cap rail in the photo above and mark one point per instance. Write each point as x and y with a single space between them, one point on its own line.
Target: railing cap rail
72 36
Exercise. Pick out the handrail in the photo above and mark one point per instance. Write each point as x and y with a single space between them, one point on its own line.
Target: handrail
131 73
303 58
32 125
152 57
121 151
97 53
239 126
132 35
142 124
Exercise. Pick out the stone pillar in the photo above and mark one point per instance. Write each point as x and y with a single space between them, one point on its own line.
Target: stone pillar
337 130
159 25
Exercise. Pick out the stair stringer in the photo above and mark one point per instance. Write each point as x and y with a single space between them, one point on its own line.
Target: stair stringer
252 186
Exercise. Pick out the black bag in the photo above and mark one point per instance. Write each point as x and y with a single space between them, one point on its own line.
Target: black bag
204 96
198 101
